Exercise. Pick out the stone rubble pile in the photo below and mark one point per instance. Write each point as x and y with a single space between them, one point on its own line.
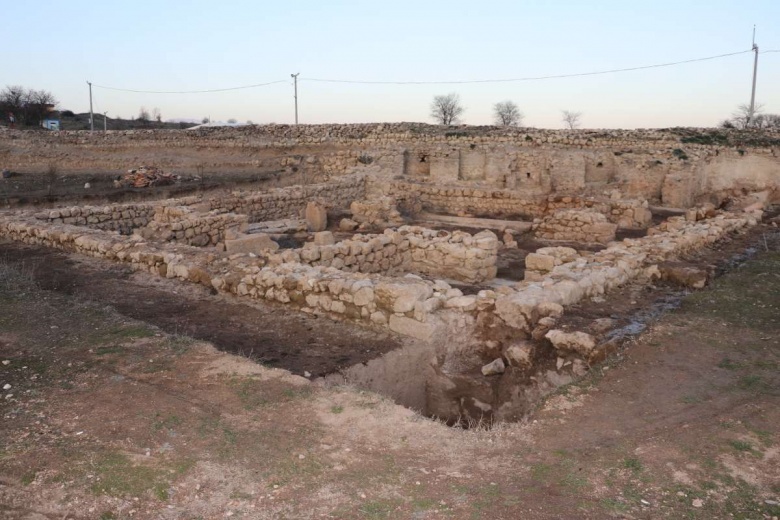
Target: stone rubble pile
146 176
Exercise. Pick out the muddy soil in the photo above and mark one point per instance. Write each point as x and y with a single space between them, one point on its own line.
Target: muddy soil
271 335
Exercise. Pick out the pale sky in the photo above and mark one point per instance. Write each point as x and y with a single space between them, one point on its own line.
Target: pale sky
198 45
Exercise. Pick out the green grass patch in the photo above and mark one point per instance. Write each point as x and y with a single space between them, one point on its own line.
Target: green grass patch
116 475
633 464
741 445
336 408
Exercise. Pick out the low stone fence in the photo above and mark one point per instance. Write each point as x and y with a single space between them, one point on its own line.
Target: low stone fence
381 211
286 203
119 217
627 214
456 255
405 305
576 225
183 225
504 203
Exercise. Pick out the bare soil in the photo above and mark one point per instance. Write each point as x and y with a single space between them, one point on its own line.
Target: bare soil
108 417
268 334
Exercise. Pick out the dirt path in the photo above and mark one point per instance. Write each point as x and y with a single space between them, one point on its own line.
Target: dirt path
108 418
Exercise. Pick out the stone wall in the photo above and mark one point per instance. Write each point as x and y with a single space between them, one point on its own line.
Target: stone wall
119 217
458 255
675 167
576 225
183 225
286 203
381 211
508 203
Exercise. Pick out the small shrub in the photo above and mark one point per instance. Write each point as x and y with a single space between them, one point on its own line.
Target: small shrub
680 154
365 159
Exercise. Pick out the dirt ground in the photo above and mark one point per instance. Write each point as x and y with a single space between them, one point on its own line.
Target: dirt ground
268 334
107 417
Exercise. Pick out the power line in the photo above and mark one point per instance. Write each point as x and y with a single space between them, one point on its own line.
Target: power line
456 82
530 78
191 91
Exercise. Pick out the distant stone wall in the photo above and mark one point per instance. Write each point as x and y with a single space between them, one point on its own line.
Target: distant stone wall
508 203
285 203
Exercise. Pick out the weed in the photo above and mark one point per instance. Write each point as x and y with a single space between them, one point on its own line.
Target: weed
680 154
614 505
337 408
729 364
107 515
633 464
28 478
109 349
165 423
378 509
741 445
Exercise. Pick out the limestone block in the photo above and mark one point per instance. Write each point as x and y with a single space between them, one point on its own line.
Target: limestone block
579 342
316 216
493 368
256 243
324 238
411 327
520 354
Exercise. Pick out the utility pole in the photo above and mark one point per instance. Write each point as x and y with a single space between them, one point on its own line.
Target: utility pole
295 80
91 115
755 71
105 122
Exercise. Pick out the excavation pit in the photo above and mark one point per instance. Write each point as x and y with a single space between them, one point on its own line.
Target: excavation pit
377 272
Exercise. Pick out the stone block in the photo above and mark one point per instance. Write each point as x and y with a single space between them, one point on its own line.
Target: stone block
255 243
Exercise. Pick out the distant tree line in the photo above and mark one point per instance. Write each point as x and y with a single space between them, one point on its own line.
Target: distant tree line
27 106
447 109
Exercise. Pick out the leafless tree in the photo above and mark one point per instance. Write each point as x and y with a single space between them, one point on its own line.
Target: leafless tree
743 118
143 114
571 119
446 110
157 115
29 106
506 113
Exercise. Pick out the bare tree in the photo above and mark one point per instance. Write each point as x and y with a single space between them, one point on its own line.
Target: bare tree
743 117
143 114
446 110
157 115
571 119
506 113
29 106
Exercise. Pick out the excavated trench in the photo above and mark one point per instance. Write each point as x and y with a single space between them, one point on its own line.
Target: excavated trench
331 351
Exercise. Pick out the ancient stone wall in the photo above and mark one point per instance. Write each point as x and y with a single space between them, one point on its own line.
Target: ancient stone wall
576 225
409 249
119 217
285 203
675 167
183 225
